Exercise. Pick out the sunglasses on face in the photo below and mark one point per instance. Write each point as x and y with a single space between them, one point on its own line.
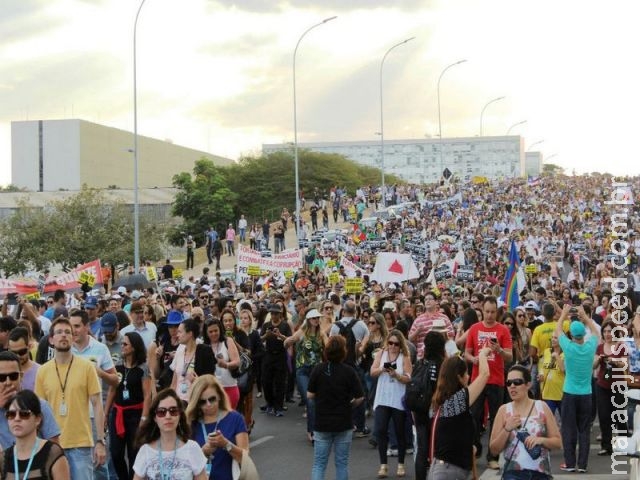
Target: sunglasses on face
211 400
516 382
23 414
372 322
21 352
395 344
508 324
162 412
13 376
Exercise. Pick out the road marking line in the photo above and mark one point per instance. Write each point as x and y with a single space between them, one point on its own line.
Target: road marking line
261 440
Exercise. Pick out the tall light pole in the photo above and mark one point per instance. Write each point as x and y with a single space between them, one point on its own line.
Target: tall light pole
295 124
384 199
136 205
485 107
439 117
514 126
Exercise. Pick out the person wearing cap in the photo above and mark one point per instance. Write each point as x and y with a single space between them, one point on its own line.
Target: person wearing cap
309 341
531 308
274 363
576 399
162 350
147 330
91 307
111 335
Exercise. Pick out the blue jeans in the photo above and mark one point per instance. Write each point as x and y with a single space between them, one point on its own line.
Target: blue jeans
302 381
322 449
80 462
576 419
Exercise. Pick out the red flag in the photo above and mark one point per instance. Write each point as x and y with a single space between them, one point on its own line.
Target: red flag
358 236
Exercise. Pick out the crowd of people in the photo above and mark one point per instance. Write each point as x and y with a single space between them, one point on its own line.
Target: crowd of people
161 383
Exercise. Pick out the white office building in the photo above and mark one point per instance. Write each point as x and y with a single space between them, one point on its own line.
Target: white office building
533 163
424 160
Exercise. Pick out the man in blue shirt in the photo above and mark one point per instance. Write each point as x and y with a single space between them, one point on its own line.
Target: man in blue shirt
10 376
576 398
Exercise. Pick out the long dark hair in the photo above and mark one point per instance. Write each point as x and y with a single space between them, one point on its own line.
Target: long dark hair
149 432
448 380
139 350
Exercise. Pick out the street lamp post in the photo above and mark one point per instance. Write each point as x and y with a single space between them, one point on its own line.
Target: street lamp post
485 107
514 126
533 145
384 199
295 124
439 117
136 205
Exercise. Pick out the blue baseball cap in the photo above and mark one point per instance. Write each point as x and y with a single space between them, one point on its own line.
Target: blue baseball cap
109 322
174 318
577 329
91 303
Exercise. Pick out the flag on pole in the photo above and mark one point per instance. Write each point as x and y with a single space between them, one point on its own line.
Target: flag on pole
358 236
510 293
394 267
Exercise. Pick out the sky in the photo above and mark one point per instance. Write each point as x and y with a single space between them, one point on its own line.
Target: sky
217 75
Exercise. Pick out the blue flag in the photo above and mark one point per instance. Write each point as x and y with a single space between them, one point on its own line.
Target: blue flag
510 294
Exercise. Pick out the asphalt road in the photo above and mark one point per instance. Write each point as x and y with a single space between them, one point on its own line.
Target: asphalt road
280 449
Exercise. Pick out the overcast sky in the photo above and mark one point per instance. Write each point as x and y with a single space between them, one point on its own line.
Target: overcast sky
217 75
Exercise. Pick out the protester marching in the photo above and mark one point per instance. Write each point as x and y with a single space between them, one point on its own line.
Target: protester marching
505 311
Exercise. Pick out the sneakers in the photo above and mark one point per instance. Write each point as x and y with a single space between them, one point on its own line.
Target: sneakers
582 470
565 468
392 452
409 451
493 465
266 409
258 395
373 442
279 413
363 433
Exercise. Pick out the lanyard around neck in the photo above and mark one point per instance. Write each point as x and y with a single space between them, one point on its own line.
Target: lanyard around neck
31 457
175 450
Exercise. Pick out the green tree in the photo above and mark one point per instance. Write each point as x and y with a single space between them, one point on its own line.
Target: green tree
552 169
204 199
75 230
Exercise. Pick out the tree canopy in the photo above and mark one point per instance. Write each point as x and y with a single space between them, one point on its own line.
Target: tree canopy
259 187
552 169
73 231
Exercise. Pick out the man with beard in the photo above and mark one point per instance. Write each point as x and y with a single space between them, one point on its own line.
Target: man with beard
70 383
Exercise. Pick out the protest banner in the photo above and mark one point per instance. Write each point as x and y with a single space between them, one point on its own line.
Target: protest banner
289 260
465 273
442 272
353 285
70 281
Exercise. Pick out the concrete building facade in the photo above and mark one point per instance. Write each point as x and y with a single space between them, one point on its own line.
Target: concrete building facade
49 155
533 163
424 160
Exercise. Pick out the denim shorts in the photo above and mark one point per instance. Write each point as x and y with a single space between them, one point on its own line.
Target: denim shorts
441 470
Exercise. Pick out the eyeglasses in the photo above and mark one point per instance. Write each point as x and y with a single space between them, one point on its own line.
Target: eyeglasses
520 315
516 382
211 400
21 352
162 412
395 344
203 298
50 302
13 376
23 414
508 324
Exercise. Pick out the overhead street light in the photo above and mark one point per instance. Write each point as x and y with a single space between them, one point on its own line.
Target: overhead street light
136 204
485 107
514 126
439 117
384 200
533 145
295 124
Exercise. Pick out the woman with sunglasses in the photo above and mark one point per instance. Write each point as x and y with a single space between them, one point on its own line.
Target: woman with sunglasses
309 342
328 316
128 403
392 368
452 455
226 352
524 334
217 429
377 334
525 430
31 457
520 351
166 452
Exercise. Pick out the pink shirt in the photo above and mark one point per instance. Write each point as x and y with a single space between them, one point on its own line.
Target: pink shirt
231 234
423 325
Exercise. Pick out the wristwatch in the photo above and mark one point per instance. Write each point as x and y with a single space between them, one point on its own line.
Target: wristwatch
228 447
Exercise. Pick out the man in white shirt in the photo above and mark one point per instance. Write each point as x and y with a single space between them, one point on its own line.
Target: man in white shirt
147 330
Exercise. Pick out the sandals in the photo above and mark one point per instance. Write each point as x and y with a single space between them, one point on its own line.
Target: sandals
383 472
400 472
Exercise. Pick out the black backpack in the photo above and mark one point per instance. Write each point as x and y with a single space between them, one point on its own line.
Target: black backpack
347 332
419 391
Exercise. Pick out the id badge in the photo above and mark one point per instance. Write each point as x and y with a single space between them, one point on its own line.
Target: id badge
63 409
183 388
208 469
125 394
